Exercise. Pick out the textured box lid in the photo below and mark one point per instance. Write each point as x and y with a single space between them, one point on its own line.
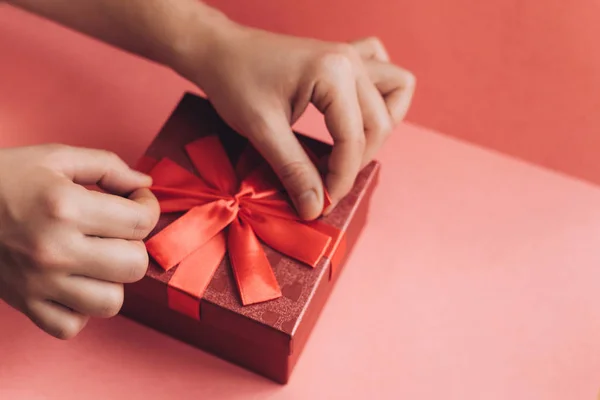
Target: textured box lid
273 323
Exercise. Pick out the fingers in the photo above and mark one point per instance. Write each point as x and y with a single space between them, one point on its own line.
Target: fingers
110 216
113 260
283 152
70 207
371 49
376 119
335 95
102 168
100 214
56 320
395 84
91 297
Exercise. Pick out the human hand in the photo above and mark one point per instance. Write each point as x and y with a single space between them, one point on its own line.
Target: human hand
65 251
261 83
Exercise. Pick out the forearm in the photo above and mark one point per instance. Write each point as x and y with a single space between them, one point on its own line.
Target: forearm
164 31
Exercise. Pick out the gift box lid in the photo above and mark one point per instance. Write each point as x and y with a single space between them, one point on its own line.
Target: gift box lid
275 323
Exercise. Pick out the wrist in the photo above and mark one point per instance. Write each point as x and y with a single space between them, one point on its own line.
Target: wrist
205 30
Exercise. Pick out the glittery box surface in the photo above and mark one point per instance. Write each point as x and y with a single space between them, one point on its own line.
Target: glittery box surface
268 337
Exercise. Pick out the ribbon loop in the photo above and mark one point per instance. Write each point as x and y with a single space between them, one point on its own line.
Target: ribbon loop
287 236
210 160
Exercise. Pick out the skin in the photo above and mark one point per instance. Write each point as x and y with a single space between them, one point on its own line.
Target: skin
66 250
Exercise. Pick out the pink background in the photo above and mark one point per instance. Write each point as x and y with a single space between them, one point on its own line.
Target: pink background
487 282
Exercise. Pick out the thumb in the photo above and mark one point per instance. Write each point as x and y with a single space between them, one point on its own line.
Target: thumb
279 146
102 168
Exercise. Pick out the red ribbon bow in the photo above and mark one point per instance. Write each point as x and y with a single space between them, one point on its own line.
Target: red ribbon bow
216 200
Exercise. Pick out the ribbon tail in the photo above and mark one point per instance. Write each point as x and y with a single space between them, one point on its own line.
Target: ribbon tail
337 250
252 270
292 238
192 276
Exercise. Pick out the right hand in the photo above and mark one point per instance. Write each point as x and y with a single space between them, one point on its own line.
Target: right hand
260 83
65 250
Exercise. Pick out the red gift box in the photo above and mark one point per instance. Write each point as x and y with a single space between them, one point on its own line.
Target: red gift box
233 270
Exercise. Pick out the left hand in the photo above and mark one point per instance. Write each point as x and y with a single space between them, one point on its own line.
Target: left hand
261 83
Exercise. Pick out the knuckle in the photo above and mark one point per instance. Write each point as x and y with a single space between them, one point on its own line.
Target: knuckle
55 152
45 254
337 61
372 48
112 302
115 162
107 155
383 126
345 49
58 204
112 161
373 45
374 41
112 157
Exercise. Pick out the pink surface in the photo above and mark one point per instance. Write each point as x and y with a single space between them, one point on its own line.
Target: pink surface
486 286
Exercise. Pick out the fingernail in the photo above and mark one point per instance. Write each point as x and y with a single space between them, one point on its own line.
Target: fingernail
308 204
